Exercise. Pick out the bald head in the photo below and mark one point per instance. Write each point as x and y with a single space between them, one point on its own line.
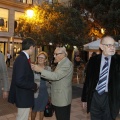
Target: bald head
106 39
107 45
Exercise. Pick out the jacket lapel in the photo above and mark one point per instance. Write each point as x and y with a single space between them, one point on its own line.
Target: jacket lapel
98 63
112 66
60 64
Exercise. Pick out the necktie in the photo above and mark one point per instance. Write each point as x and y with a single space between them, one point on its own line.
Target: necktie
103 77
29 60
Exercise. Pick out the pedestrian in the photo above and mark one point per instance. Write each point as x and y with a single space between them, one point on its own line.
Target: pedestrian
61 83
4 82
78 61
8 58
93 54
41 96
22 86
101 91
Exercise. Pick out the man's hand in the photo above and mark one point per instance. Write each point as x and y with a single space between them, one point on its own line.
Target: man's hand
5 94
36 68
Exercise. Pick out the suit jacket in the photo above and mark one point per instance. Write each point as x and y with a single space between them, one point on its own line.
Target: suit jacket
22 85
4 82
61 86
92 77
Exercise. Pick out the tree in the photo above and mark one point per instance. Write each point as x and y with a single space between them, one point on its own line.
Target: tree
106 14
53 23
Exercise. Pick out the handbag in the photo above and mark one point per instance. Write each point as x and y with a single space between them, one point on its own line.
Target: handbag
48 112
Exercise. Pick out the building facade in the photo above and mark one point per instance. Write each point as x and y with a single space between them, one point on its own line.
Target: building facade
10 12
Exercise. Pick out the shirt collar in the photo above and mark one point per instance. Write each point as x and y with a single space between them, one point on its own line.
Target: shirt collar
103 56
26 54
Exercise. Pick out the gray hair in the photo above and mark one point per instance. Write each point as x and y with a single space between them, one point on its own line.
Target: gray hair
63 50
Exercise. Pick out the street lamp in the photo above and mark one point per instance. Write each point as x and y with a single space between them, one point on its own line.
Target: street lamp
29 11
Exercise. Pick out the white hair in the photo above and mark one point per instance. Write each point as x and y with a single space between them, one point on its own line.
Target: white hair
63 49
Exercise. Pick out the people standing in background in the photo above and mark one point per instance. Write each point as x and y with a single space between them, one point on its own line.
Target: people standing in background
4 81
101 91
41 96
61 83
8 58
93 54
23 86
77 60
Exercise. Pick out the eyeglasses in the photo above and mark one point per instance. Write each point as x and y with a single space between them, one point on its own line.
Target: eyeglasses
41 57
110 45
55 54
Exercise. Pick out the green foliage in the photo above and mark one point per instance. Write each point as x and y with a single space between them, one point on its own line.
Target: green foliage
53 23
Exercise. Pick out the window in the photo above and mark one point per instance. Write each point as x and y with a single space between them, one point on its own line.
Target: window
26 1
4 19
17 16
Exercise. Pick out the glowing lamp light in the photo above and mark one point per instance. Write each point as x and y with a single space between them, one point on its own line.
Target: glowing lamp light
66 45
30 13
74 47
50 43
102 31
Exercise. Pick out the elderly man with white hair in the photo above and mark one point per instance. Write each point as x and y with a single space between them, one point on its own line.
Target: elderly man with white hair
61 83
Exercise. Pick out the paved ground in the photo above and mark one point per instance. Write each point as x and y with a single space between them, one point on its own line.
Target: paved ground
8 111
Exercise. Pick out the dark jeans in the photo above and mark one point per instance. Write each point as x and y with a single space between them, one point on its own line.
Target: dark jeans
100 107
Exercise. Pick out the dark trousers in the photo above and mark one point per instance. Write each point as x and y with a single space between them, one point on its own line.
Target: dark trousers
100 107
62 113
8 62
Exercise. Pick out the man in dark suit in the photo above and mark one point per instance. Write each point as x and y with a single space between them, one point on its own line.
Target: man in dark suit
101 91
23 86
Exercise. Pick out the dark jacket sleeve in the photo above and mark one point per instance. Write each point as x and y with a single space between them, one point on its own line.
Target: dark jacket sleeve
86 83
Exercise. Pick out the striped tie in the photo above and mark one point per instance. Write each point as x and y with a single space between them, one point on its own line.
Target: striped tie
103 77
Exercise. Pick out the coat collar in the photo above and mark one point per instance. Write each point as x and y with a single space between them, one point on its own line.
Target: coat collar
98 63
61 63
112 65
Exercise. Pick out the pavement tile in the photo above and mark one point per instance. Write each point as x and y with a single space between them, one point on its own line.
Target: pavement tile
10 116
3 118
